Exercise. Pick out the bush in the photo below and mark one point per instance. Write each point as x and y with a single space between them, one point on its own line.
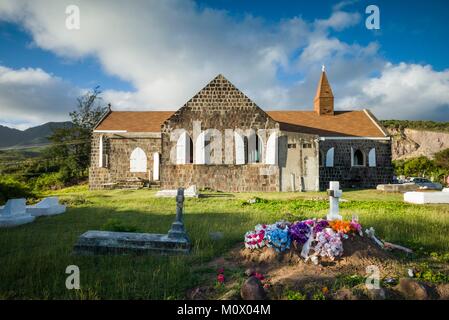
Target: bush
49 181
295 295
442 159
11 187
419 166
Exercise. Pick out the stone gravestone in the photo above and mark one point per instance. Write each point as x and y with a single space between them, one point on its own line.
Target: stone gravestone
14 213
47 207
177 230
335 194
108 242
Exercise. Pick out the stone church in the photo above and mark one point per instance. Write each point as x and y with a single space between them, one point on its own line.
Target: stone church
221 140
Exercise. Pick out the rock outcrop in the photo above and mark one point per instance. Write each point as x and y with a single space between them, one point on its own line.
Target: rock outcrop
409 143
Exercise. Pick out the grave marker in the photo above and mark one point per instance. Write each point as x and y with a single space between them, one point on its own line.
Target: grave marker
108 242
335 194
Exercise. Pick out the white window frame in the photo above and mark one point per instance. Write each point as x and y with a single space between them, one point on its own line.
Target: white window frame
352 158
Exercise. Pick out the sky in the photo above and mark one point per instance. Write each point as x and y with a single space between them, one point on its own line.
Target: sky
156 54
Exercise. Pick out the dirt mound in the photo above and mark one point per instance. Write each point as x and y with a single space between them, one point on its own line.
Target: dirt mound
288 271
358 253
288 276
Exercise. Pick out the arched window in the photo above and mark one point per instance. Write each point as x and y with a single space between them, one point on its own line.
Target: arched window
255 148
184 149
358 158
138 161
330 157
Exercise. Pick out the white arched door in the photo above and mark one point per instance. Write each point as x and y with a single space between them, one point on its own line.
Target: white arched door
138 161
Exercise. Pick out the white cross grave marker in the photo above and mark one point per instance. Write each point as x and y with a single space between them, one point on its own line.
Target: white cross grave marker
334 193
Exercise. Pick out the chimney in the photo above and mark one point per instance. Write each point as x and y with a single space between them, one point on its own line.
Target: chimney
323 103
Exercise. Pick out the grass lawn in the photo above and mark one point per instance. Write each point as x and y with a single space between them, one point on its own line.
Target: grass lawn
34 257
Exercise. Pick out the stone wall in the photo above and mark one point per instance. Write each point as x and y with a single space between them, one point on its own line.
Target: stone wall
298 161
118 148
226 178
356 177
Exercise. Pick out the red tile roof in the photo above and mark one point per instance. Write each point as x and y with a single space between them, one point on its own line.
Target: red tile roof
134 121
342 123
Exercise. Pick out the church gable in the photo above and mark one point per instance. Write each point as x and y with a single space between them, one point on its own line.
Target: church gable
220 105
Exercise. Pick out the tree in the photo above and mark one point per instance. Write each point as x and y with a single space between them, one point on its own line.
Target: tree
420 166
70 148
442 159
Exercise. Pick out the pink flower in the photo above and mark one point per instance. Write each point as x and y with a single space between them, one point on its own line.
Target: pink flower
220 271
220 278
259 276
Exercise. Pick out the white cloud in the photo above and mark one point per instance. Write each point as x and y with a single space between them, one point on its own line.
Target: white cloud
404 91
340 20
34 97
170 49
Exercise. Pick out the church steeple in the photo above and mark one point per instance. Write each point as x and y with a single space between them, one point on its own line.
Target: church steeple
323 103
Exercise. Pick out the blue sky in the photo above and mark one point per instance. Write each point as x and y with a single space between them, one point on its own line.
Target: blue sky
155 55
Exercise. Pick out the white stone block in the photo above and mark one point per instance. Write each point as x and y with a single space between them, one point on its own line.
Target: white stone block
426 197
47 207
14 207
190 192
14 213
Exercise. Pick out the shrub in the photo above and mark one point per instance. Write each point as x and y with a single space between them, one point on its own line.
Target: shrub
11 187
295 295
49 181
442 158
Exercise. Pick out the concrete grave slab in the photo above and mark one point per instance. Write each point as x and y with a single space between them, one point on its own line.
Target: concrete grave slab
47 207
175 241
403 187
14 213
190 192
108 242
426 197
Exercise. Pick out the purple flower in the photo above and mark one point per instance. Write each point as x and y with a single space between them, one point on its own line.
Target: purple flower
321 225
300 232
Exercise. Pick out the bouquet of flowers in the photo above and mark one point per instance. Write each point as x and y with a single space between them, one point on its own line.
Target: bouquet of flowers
320 225
256 239
328 244
300 232
346 227
321 236
278 238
